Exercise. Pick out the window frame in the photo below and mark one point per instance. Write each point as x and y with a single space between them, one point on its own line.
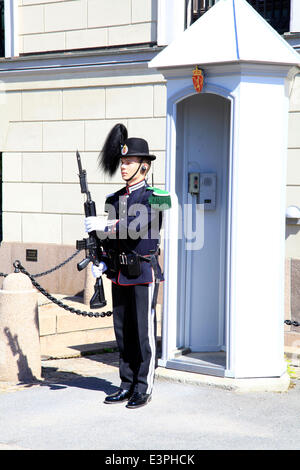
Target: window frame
11 32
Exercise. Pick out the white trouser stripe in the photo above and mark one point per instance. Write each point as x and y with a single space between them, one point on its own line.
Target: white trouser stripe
151 339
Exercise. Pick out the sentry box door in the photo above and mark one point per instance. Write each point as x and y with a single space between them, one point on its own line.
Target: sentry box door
203 129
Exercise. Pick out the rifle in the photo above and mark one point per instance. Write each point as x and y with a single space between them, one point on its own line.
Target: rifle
92 245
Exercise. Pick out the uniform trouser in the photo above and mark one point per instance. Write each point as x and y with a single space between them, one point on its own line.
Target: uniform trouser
135 330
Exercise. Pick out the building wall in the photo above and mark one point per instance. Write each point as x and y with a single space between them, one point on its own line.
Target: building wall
293 168
292 301
49 121
55 25
49 113
51 116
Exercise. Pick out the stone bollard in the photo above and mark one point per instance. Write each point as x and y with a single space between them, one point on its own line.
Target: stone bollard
20 355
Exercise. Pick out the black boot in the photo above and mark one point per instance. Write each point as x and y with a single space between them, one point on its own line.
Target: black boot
138 399
118 397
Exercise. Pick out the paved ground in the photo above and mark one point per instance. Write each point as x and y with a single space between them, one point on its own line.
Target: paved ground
66 411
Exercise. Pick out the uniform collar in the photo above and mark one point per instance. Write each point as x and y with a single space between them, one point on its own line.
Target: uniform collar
134 187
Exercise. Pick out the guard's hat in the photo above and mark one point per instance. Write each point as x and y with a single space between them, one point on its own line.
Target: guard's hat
118 145
136 147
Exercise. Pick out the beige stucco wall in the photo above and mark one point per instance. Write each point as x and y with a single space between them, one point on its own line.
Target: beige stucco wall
293 168
50 118
55 25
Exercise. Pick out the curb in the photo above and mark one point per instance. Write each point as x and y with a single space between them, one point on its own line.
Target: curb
268 384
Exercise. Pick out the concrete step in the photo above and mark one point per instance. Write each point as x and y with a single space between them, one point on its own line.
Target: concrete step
65 334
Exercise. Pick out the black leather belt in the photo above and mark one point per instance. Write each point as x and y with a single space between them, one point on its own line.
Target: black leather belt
119 260
124 259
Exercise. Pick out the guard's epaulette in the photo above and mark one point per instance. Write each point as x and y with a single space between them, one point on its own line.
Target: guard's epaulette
159 199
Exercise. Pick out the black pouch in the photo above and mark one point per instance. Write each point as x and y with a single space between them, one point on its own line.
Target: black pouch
133 266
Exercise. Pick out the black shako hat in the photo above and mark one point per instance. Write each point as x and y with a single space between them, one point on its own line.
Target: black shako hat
117 145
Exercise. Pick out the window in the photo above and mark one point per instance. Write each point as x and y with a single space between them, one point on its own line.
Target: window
275 12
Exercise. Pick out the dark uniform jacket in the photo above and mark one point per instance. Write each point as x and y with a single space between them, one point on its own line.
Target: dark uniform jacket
134 237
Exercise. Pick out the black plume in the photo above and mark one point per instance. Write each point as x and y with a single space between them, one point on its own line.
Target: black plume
109 157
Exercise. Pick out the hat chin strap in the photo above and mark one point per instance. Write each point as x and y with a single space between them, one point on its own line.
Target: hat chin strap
129 179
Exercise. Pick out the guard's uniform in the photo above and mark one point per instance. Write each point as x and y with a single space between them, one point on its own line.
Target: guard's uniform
132 259
130 252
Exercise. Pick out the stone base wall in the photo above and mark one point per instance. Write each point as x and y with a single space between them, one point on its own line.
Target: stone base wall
69 281
66 280
292 302
65 334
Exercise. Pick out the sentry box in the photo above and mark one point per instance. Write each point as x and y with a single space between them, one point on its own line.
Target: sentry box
225 161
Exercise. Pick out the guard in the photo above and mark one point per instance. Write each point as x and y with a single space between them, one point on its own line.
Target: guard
132 235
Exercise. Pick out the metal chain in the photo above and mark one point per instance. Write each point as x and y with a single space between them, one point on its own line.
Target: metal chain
18 267
52 269
58 266
290 322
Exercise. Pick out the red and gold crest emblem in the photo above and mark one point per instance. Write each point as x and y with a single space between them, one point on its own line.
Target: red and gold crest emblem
124 149
198 79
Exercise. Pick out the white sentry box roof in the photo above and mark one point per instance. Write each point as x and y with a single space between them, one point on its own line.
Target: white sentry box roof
222 35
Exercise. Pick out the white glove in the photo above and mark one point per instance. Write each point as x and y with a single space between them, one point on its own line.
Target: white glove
97 271
98 223
95 223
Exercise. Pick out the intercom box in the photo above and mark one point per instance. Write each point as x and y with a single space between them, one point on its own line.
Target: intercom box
204 186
